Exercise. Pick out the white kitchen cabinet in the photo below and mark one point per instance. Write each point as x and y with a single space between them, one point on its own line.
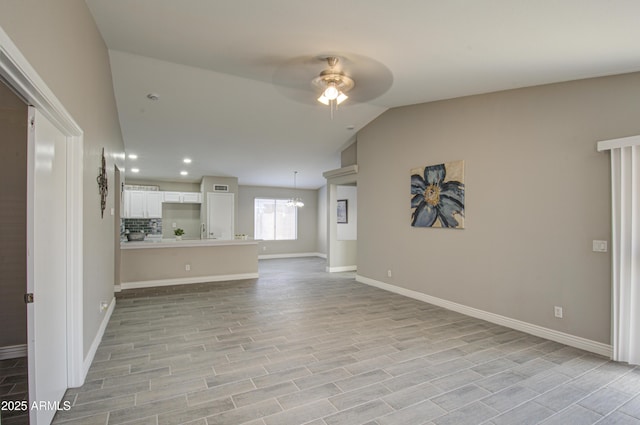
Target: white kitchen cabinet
134 205
142 204
154 204
173 197
182 197
192 197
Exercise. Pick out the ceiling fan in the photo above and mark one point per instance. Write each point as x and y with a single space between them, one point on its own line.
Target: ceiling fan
334 84
331 79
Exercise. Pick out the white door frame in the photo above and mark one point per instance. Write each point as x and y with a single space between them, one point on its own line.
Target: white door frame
16 71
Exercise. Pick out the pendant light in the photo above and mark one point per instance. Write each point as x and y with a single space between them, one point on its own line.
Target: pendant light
295 201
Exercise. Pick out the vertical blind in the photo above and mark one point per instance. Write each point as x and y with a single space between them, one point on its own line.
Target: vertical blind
625 246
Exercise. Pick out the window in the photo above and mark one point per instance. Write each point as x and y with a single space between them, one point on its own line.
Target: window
274 220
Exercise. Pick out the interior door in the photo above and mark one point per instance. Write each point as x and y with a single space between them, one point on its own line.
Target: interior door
46 265
220 207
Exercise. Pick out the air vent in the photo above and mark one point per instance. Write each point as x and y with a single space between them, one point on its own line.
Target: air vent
220 187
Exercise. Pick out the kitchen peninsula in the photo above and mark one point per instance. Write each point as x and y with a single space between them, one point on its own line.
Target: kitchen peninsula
163 262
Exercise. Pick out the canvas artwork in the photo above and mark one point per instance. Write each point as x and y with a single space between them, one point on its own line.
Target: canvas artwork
437 195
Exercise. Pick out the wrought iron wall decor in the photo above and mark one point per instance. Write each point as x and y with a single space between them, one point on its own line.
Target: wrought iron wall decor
103 185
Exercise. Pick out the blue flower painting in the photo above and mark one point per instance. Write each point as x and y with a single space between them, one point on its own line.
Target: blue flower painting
437 195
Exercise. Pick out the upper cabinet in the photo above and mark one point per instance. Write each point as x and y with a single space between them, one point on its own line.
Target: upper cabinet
142 204
148 203
183 197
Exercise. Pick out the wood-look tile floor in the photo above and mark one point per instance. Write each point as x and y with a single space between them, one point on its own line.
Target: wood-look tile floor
14 387
301 346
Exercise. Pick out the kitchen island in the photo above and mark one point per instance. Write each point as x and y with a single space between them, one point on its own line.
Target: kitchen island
162 262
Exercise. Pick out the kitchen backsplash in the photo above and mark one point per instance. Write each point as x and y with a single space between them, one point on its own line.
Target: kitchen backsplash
146 225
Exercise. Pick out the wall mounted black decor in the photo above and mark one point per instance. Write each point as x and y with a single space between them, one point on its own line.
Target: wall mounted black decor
103 186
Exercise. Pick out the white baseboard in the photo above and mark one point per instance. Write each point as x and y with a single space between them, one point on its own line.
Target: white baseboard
97 340
553 335
342 269
292 255
186 280
13 351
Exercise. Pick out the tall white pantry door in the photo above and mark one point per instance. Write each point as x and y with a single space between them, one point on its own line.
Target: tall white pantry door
220 222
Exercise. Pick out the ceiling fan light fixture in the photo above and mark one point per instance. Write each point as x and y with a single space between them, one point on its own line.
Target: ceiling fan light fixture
334 85
331 92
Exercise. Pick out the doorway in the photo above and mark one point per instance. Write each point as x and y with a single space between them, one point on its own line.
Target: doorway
342 231
13 246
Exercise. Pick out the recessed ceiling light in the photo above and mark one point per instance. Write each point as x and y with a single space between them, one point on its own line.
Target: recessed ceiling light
183 173
133 156
187 160
135 170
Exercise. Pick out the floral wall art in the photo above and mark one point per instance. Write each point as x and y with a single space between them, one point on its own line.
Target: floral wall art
437 195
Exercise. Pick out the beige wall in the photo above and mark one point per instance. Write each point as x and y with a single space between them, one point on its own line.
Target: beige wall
537 194
321 243
13 218
60 40
349 156
307 218
152 264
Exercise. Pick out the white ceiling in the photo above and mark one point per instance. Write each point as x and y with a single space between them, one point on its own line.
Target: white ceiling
233 76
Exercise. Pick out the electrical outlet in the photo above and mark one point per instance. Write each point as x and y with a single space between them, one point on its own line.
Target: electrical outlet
187 267
389 273
174 224
599 246
557 311
264 248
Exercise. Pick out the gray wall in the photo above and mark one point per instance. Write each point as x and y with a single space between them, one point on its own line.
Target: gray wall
62 43
321 245
307 218
349 156
13 218
537 194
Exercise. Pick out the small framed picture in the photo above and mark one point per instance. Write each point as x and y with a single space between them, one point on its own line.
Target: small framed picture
342 211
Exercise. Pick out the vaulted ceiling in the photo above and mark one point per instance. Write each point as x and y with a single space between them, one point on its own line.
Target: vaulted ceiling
233 77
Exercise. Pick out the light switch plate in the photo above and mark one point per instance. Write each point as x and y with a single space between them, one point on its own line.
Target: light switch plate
599 246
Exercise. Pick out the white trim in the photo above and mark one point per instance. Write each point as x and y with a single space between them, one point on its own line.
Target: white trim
75 314
97 340
186 281
292 255
13 351
622 142
342 269
23 78
117 288
189 243
553 335
341 172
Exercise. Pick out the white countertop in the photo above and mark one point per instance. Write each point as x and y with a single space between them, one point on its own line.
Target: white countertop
185 243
